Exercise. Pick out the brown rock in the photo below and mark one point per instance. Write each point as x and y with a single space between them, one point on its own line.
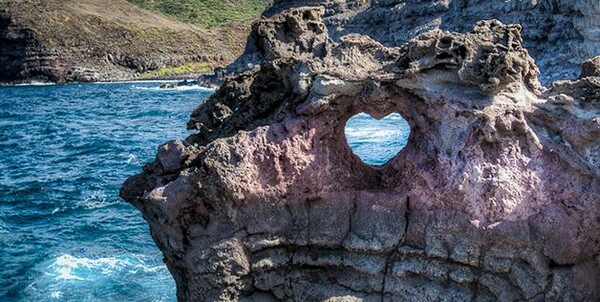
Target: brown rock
495 197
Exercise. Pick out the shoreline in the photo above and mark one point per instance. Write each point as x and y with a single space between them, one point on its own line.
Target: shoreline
173 79
24 84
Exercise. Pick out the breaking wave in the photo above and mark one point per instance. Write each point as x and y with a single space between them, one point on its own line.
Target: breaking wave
79 278
65 150
177 88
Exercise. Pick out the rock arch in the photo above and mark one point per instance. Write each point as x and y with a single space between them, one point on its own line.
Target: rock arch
494 198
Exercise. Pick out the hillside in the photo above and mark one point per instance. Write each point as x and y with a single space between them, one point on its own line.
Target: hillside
206 13
98 40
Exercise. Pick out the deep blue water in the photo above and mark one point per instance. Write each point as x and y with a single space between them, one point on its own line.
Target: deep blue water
65 235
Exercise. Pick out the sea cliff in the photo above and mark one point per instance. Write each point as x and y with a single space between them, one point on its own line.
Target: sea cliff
495 197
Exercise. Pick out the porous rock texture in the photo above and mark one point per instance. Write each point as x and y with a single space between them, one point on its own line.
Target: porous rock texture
495 197
559 34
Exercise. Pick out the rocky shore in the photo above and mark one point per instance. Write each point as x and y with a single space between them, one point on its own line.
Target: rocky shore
496 196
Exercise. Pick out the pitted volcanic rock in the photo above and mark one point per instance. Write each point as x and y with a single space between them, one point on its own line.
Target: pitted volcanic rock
496 196
559 34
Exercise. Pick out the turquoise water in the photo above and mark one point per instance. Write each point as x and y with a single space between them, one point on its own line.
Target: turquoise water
65 235
377 141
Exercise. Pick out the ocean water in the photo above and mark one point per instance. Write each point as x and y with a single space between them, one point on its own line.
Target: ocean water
65 235
377 141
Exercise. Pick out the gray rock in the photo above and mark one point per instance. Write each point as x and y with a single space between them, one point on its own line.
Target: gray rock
559 35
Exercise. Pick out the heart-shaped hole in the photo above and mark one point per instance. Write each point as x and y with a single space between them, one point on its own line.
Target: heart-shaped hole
377 141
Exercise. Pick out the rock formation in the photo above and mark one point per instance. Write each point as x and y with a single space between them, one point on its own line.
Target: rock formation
559 34
495 197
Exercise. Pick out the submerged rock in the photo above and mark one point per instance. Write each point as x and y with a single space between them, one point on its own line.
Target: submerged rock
178 84
495 197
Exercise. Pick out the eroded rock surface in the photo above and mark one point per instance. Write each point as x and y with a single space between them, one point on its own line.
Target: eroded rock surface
495 197
559 34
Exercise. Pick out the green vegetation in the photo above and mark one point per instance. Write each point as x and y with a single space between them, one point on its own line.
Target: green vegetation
206 13
185 69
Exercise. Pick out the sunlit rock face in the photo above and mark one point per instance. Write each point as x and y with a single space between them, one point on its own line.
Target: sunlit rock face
559 34
496 195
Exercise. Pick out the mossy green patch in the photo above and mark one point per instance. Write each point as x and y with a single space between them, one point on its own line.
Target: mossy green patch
188 68
206 13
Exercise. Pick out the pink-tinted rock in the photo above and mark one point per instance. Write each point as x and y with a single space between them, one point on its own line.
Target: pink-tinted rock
495 197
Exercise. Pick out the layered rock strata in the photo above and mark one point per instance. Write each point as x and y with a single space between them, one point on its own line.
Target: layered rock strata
495 197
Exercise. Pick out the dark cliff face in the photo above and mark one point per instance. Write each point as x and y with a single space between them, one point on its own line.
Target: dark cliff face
13 45
496 196
21 55
26 55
